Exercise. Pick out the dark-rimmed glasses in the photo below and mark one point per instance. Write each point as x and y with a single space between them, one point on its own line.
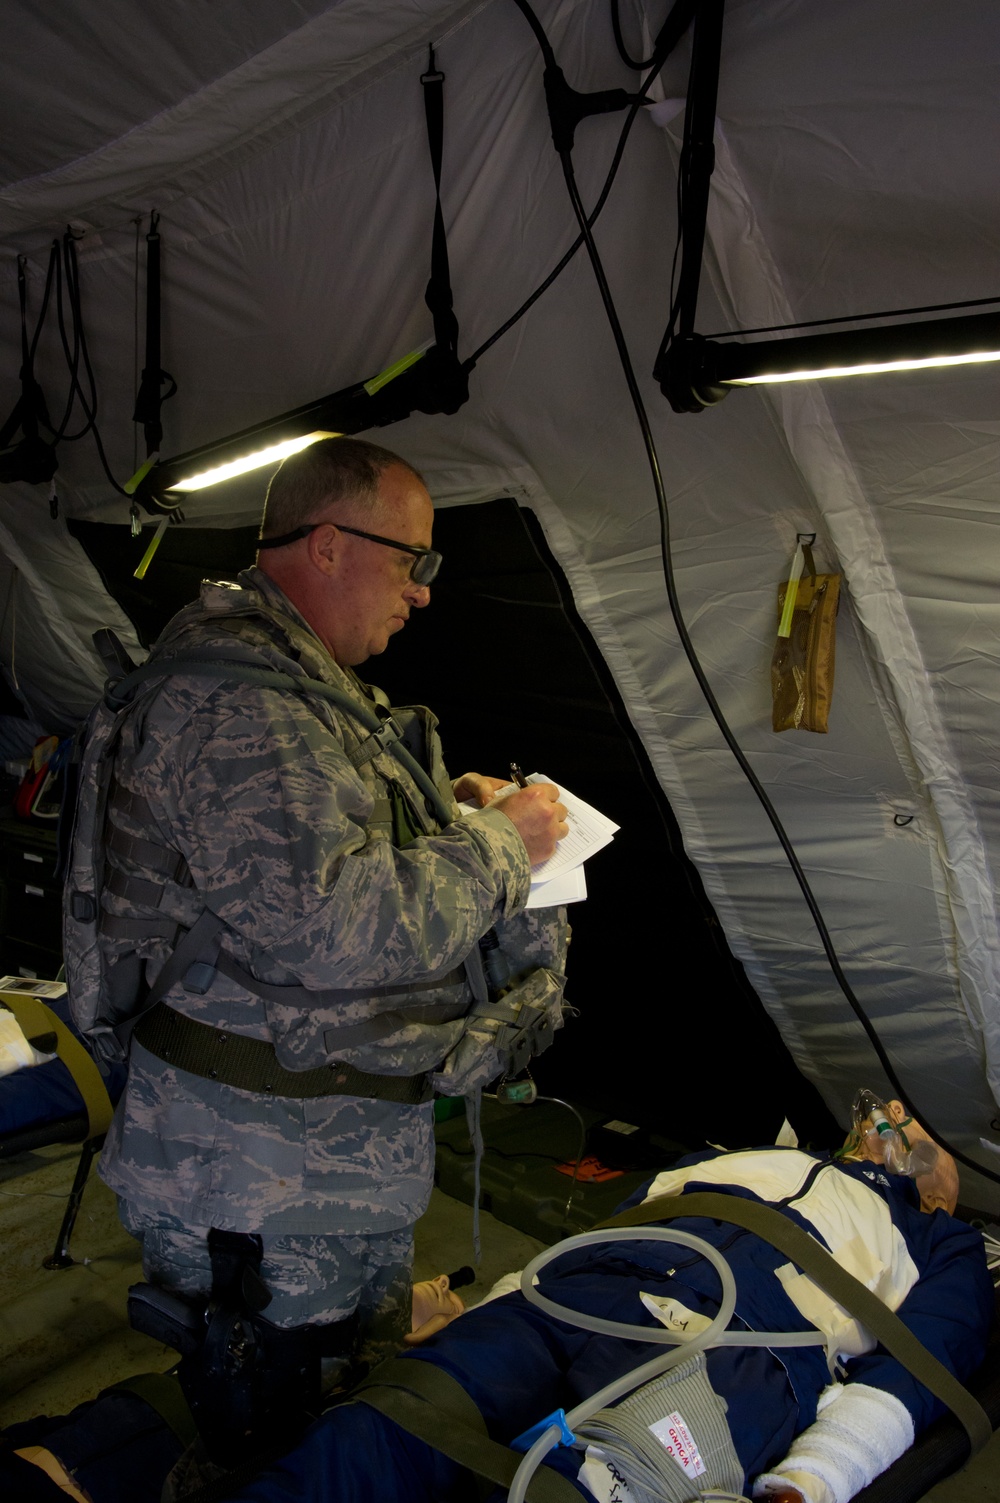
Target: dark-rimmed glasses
423 570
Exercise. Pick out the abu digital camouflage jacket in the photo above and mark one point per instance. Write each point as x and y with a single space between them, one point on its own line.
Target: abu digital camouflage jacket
302 855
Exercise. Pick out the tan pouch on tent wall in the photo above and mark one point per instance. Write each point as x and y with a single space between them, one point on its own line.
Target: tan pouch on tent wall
803 661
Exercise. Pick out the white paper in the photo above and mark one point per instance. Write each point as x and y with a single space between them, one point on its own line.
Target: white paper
571 887
561 879
589 832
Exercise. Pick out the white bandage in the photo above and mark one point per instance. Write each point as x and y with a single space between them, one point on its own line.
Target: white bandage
858 1432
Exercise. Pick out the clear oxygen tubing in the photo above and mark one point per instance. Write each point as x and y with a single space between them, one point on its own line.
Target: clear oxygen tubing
681 1348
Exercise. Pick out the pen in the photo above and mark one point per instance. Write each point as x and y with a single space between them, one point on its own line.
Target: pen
518 775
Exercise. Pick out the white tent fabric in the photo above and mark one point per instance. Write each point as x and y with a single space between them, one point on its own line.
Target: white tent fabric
284 147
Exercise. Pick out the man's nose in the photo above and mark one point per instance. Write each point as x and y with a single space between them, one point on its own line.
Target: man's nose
418 595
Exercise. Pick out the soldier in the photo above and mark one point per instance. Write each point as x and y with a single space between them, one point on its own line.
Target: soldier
339 919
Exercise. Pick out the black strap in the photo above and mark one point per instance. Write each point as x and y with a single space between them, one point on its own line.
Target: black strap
804 1250
438 295
192 946
148 854
252 1065
149 398
429 1403
33 459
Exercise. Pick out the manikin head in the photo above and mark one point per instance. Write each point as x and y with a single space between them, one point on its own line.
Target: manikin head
435 1305
354 592
938 1189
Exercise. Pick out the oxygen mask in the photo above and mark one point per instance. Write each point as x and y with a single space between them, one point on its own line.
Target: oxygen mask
883 1141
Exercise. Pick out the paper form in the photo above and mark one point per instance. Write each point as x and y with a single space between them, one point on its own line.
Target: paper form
561 878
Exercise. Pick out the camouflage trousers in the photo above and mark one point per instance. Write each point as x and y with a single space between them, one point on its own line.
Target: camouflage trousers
313 1280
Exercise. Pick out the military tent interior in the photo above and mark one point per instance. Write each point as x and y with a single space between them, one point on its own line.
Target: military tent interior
280 151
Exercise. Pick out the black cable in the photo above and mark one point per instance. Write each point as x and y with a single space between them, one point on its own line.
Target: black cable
856 318
72 363
80 352
699 672
623 52
664 47
52 267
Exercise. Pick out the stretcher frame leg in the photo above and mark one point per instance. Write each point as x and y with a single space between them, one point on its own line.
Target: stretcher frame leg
61 1257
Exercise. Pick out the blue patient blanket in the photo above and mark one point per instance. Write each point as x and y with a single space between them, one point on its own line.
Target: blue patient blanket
519 1364
41 1094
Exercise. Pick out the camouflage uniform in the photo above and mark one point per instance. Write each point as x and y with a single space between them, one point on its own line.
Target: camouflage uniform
294 849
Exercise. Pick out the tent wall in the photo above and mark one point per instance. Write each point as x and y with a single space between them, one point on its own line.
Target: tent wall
854 173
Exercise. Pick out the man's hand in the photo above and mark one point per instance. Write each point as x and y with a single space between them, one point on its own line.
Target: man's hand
539 818
481 790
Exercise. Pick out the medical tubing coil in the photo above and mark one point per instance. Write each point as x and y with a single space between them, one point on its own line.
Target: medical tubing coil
715 1334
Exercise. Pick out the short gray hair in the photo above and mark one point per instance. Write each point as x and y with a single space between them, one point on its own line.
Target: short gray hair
307 484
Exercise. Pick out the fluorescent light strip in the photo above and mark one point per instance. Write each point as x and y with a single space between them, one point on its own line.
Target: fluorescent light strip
864 370
255 461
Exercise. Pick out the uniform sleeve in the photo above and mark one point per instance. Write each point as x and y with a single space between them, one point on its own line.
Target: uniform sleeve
274 826
949 1309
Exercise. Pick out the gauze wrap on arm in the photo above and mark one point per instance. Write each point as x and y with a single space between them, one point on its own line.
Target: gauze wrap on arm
858 1432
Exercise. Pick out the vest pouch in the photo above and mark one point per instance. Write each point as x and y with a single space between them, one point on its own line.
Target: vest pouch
501 1037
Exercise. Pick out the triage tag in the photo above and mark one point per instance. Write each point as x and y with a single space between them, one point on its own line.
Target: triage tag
674 1435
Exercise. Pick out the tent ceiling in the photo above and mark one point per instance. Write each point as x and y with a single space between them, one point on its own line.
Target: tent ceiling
285 148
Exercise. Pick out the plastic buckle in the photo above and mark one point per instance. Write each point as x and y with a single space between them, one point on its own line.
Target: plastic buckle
389 731
199 977
527 1438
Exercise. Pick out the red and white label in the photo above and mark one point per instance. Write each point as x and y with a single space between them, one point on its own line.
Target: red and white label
674 1435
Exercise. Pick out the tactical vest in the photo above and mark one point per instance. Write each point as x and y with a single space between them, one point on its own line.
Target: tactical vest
128 895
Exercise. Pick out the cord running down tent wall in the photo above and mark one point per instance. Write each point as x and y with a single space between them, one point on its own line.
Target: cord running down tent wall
706 51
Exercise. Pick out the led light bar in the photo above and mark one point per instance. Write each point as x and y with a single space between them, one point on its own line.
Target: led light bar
254 460
872 368
697 373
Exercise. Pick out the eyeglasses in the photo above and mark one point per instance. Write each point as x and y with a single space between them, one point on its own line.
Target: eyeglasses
423 570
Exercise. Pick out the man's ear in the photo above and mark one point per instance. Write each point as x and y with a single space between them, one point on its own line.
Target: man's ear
324 545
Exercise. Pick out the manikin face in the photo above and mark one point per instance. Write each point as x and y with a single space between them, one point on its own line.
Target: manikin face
369 593
435 1297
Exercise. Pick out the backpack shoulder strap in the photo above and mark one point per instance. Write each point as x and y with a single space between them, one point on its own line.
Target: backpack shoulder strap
384 735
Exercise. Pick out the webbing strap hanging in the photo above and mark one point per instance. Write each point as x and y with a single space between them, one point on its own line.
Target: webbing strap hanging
149 398
804 1250
32 459
193 945
429 1403
438 296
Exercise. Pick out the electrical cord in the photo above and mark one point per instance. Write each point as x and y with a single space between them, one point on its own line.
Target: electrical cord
692 657
856 318
65 266
623 52
670 34
89 407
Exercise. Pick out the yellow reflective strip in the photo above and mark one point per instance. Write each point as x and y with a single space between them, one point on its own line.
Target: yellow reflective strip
791 594
131 486
384 377
147 557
